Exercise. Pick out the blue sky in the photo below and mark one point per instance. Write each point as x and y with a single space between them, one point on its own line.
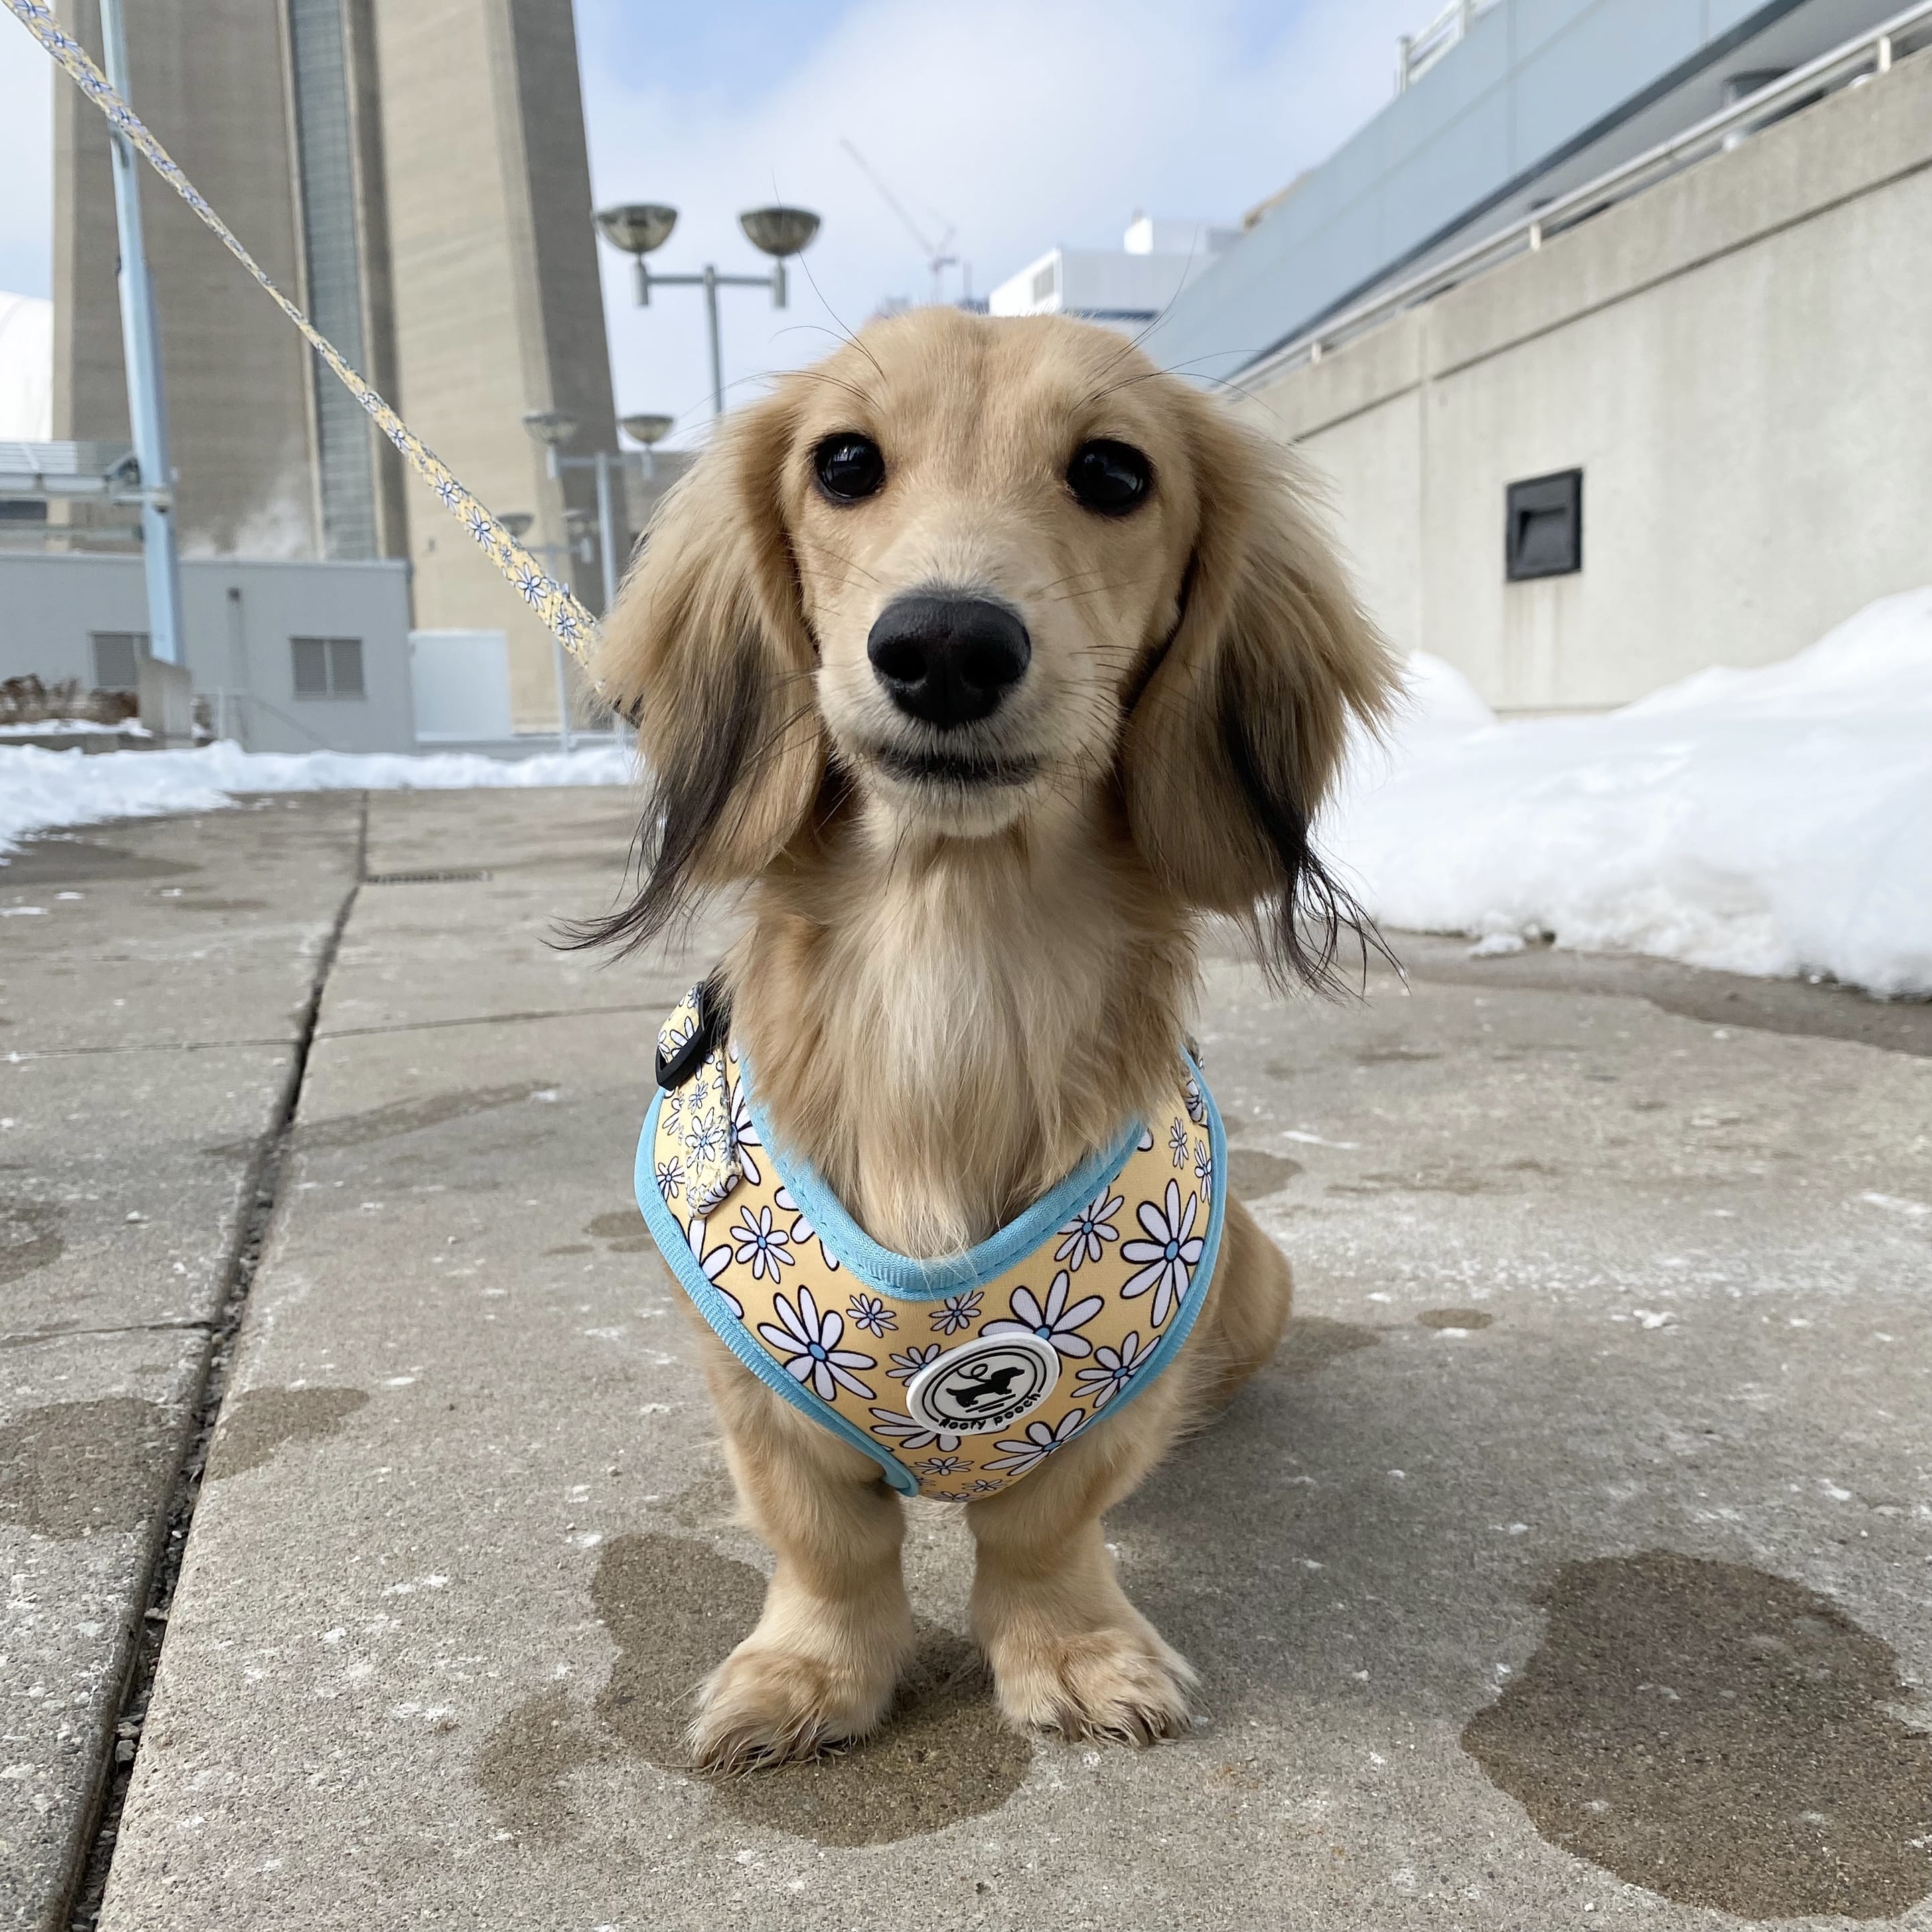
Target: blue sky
1020 123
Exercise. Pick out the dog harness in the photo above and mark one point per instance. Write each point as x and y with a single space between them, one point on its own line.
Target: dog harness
957 1376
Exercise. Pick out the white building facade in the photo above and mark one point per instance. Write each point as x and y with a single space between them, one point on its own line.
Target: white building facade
1126 287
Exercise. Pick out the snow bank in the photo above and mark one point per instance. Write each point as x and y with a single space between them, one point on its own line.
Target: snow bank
1774 822
39 789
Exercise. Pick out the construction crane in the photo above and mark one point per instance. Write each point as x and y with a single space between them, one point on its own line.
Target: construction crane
936 258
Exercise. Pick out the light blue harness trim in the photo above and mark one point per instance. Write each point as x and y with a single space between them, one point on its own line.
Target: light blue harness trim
908 1278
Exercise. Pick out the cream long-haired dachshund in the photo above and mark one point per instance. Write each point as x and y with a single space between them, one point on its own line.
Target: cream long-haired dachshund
991 659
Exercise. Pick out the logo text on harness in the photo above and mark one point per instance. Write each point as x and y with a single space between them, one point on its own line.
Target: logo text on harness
984 1384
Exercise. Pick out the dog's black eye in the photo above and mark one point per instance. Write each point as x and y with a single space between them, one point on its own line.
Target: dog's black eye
1110 477
848 465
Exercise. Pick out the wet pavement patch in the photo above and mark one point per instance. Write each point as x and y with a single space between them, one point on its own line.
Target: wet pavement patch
1313 1341
257 1422
74 1469
624 1230
1455 1318
1256 1175
30 1237
1723 1737
676 1609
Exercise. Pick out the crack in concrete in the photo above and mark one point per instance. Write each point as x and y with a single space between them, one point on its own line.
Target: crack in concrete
87 1879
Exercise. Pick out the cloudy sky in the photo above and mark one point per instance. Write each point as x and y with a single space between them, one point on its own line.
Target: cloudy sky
1017 124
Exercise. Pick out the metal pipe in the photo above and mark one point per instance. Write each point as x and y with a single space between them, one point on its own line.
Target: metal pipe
606 531
141 347
717 350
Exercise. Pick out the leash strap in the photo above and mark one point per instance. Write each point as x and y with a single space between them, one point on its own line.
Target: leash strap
551 601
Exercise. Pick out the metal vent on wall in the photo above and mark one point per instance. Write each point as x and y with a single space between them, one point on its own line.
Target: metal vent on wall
1543 526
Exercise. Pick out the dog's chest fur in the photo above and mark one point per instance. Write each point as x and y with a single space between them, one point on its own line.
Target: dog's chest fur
944 1039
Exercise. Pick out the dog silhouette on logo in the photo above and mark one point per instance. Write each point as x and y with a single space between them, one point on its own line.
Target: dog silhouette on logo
982 1384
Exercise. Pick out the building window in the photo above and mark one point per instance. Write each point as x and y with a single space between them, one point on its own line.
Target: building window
1543 526
117 658
1045 280
328 666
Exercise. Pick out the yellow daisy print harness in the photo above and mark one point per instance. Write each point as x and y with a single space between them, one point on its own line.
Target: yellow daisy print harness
957 1376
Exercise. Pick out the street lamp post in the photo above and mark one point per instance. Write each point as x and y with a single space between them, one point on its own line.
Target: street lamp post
147 408
639 227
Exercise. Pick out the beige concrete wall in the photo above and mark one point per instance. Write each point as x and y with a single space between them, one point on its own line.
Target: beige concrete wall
1739 361
471 187
235 372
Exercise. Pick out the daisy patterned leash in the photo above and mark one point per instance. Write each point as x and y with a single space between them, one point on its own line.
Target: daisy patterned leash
550 600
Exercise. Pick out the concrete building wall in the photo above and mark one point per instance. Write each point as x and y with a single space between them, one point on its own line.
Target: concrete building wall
240 619
1737 361
209 77
496 296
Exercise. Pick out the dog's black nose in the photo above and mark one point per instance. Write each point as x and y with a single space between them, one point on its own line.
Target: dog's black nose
948 660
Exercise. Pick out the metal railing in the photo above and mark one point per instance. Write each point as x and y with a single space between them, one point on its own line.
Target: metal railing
1415 54
1863 56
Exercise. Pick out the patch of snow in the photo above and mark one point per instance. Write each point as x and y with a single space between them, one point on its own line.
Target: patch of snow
41 789
1770 822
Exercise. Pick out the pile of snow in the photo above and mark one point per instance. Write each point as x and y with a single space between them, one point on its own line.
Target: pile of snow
39 789
1774 822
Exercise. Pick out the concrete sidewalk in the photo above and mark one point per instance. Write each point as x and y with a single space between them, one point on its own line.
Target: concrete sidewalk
1570 1564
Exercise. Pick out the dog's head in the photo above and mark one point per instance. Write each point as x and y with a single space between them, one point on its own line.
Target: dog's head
968 576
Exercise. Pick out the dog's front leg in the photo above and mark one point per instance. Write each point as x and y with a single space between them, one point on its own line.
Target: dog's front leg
1069 1653
820 1667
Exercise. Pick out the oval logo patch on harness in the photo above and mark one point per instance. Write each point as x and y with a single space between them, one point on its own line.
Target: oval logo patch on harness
984 1384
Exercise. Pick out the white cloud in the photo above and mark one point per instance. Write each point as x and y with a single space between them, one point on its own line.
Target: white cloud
1023 122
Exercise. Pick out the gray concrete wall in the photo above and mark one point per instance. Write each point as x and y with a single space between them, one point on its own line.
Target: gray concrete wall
1737 360
239 618
488 186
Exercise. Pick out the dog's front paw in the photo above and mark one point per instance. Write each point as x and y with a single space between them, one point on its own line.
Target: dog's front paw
1123 1684
764 1706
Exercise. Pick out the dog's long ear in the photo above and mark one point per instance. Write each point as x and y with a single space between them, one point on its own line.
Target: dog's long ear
708 650
1230 745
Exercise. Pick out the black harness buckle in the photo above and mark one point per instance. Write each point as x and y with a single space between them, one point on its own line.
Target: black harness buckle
714 1025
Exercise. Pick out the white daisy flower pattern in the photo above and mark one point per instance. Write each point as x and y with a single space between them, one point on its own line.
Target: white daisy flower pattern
1177 1142
809 1342
1167 1256
869 1313
1085 1238
745 1140
911 1433
1039 1442
766 1247
1052 1321
906 1363
1203 1169
671 1177
801 1229
957 1312
1112 1368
